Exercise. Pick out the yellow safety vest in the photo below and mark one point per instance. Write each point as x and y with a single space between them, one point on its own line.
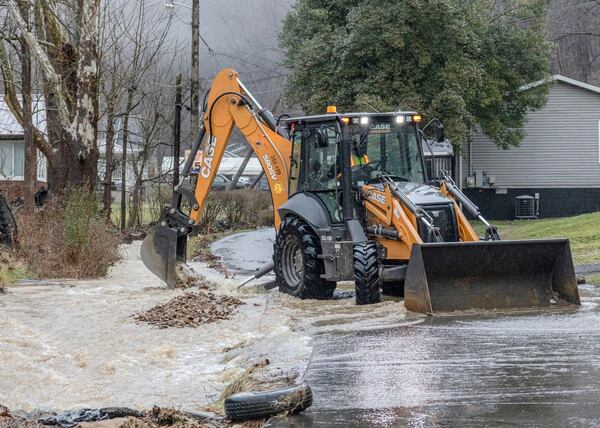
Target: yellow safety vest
359 160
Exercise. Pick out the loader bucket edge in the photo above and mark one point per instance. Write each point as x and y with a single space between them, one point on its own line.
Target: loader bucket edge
490 275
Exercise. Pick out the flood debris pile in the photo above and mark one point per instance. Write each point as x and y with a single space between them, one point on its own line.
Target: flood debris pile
188 277
202 253
7 420
117 417
190 310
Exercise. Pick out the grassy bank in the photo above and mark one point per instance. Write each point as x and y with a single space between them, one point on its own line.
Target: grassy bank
12 272
582 230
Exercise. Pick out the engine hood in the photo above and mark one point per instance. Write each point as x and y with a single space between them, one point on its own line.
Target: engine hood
423 194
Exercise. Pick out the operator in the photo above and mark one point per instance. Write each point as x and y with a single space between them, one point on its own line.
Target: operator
357 159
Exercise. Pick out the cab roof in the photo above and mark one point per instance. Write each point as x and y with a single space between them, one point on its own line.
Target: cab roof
332 116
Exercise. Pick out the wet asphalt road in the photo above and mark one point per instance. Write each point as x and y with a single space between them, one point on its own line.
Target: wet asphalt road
535 369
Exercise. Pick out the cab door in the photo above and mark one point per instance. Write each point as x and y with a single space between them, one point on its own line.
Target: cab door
315 168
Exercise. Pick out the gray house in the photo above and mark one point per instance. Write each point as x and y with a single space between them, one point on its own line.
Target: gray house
554 172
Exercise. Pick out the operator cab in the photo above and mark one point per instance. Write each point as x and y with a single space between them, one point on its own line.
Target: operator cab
381 143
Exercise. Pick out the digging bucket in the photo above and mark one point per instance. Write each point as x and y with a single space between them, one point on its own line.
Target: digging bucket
162 250
490 275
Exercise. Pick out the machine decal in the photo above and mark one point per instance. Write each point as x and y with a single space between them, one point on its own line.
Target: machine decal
376 197
207 158
270 167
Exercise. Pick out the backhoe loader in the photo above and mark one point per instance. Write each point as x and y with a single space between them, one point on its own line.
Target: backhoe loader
352 202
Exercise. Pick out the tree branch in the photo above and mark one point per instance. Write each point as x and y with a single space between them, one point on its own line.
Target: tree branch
49 72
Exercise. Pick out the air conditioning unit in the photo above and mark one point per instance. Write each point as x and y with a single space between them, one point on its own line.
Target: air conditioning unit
525 207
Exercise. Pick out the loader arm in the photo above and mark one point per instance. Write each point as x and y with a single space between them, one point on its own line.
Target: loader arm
229 105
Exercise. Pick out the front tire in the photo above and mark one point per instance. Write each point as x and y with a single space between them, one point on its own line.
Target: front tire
367 279
298 268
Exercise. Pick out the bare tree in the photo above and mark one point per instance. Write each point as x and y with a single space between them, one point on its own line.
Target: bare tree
63 41
574 27
137 41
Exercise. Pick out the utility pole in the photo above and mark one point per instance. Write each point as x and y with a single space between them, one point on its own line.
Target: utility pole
177 131
195 80
130 93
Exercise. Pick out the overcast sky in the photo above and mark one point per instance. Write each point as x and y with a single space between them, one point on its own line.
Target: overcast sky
241 33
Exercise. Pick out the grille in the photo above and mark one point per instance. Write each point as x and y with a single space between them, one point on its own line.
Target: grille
443 217
525 207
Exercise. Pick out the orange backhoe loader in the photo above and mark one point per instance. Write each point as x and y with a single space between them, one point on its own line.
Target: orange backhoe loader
352 202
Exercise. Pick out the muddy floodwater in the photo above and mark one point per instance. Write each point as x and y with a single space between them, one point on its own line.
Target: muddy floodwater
400 369
75 345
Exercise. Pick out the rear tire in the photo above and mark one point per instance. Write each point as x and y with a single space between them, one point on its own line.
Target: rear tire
367 279
298 268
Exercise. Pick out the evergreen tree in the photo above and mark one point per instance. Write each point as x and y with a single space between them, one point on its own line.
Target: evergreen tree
463 61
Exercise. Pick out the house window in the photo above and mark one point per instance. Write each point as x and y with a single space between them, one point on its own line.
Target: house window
42 167
12 160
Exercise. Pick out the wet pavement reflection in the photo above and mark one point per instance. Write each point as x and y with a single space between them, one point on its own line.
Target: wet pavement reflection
526 369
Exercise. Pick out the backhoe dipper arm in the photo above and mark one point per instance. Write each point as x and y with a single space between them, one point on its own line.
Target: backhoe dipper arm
229 104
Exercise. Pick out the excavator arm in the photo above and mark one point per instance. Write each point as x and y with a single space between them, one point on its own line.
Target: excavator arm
229 104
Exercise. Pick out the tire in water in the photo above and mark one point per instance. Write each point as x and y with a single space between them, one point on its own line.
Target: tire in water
298 268
367 279
258 405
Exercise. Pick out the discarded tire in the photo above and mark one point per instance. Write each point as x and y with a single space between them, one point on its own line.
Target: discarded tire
258 405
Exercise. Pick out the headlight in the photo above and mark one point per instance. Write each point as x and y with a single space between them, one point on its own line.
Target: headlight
364 120
399 119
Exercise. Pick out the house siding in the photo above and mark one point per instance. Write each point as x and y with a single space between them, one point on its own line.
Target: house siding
560 149
502 206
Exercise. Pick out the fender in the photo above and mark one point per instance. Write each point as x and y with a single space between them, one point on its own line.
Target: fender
309 208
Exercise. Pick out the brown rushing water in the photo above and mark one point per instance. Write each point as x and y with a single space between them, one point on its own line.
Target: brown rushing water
64 347
75 345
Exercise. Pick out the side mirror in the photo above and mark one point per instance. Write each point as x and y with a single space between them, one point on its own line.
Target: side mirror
322 138
440 136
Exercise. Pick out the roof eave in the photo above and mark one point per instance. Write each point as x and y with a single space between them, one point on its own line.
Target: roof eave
563 79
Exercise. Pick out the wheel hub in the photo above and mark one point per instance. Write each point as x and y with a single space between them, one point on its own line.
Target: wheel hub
292 262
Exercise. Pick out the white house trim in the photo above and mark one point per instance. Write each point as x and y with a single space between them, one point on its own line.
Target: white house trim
564 79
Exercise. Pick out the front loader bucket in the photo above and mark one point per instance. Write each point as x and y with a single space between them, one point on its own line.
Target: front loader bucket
162 250
490 275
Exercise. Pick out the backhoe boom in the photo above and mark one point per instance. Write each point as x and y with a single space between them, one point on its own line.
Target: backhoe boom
229 104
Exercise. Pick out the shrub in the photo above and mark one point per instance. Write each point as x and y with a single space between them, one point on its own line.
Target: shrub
210 215
238 209
158 197
68 238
